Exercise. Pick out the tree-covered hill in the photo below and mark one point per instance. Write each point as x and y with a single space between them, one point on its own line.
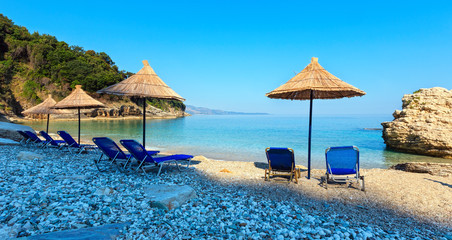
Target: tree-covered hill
35 65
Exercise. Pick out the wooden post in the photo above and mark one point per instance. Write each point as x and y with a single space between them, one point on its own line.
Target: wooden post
47 129
144 122
78 125
310 130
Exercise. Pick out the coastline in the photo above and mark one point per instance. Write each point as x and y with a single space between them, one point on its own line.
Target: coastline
223 137
24 120
396 204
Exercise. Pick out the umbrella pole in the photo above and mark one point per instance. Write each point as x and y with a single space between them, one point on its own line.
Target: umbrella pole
78 125
310 130
144 122
47 129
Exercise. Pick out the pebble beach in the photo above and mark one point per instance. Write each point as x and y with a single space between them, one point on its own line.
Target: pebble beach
62 191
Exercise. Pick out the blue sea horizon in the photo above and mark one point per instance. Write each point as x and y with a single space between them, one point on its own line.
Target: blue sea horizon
245 137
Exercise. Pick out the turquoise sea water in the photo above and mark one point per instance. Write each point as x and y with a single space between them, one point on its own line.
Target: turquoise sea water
245 137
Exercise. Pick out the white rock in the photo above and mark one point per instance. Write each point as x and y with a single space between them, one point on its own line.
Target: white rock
25 155
169 196
103 191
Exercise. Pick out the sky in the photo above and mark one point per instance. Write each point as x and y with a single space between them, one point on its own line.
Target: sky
227 54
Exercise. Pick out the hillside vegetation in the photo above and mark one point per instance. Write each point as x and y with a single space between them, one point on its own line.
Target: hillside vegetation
35 65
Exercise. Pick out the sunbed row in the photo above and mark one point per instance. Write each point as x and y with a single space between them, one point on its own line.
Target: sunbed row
109 149
342 163
68 141
143 157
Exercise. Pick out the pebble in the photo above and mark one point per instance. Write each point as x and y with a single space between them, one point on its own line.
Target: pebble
76 195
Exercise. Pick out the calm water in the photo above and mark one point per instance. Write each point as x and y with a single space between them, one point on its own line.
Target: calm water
245 138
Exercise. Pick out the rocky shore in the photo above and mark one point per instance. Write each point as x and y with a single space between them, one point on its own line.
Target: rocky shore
54 191
424 125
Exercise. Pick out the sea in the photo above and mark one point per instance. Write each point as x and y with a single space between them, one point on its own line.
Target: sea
245 137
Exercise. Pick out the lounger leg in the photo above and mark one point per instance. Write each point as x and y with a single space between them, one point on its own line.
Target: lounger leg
129 159
295 173
81 150
177 165
160 169
189 162
139 166
98 161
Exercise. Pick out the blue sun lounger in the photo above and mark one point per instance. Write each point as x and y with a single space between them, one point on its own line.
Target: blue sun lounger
34 138
144 158
50 141
72 144
281 162
342 166
25 138
114 153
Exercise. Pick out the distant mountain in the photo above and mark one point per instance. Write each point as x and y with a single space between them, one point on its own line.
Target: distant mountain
207 111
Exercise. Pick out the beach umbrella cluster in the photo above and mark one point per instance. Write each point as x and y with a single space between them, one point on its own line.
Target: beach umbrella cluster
145 83
314 82
46 108
78 99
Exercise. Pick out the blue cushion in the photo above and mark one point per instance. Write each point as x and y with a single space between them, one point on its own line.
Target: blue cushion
172 157
341 171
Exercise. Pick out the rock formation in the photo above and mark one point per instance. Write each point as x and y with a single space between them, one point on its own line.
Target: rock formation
437 169
9 130
424 126
131 110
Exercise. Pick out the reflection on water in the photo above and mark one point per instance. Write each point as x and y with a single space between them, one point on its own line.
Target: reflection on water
245 138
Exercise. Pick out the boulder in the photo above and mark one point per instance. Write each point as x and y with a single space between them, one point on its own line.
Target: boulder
9 130
168 197
438 169
424 125
103 191
6 141
104 232
24 155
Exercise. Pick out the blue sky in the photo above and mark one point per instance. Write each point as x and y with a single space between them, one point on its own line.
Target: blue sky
228 54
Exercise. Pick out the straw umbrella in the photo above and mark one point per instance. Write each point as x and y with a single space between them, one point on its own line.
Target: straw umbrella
78 99
314 82
46 108
145 83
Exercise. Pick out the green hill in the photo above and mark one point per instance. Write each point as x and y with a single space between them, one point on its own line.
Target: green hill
35 65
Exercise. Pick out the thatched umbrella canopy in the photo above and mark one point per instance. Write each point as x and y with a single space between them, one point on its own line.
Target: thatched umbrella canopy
78 99
314 82
45 108
145 83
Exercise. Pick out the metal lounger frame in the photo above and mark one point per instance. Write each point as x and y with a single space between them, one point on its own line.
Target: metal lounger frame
342 178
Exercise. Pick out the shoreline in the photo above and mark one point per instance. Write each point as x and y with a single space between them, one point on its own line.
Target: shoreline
20 120
252 155
396 204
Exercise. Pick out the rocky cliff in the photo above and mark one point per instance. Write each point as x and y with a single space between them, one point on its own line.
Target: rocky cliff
132 110
424 125
117 110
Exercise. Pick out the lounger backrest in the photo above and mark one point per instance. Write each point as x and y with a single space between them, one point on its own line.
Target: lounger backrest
109 148
33 136
23 134
281 159
68 139
46 136
342 160
136 149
